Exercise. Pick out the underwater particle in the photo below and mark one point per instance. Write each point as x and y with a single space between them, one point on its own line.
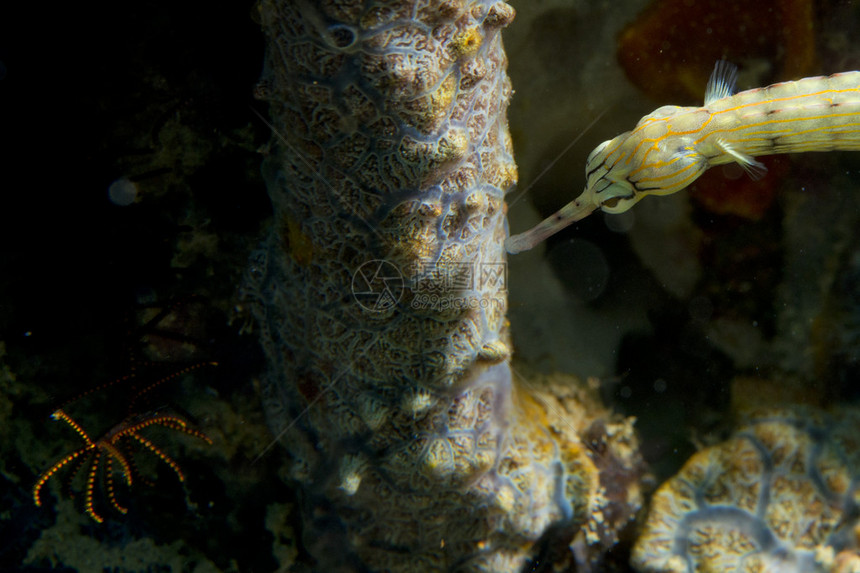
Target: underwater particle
779 495
122 192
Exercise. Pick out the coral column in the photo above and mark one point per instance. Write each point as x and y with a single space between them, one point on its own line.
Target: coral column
380 293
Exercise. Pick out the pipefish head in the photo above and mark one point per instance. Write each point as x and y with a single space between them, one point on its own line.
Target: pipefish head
607 185
623 170
659 157
607 188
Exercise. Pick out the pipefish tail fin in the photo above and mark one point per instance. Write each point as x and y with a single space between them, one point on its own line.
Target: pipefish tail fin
755 169
574 211
722 82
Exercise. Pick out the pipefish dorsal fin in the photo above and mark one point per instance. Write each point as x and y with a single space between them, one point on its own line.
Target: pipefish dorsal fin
722 82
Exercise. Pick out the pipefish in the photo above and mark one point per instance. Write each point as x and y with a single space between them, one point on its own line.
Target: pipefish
673 146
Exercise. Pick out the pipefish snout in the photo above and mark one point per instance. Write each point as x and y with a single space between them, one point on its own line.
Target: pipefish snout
673 146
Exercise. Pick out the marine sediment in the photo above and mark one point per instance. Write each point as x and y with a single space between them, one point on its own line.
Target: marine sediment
380 296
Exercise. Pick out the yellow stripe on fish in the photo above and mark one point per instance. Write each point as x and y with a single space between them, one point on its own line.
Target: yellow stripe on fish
673 146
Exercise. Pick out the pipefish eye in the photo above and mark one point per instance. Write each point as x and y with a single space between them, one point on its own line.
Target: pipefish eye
610 203
618 197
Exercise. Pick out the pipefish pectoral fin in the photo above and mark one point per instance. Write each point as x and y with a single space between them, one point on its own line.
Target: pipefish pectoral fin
755 169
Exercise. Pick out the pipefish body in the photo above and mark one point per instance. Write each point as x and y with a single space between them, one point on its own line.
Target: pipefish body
673 146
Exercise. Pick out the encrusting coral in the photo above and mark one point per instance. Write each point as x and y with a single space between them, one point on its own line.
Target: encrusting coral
380 297
780 495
